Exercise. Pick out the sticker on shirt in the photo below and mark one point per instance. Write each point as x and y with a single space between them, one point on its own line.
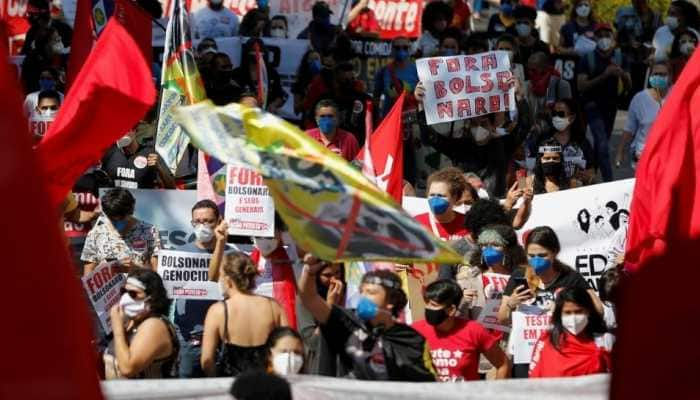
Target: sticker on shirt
140 162
357 107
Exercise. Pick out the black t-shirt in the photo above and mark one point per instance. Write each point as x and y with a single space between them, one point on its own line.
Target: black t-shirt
130 172
593 64
544 297
524 52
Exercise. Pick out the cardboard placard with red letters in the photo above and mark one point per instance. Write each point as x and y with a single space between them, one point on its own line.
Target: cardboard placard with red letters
103 287
529 323
250 209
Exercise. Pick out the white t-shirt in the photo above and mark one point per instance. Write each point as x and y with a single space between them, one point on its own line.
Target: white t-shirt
32 100
208 23
641 115
663 40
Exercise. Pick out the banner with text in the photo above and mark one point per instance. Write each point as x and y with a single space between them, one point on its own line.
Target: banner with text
529 323
39 124
494 285
462 87
398 17
585 220
186 275
103 287
250 210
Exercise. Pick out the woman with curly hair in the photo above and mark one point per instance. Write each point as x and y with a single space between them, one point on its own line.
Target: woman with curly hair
240 324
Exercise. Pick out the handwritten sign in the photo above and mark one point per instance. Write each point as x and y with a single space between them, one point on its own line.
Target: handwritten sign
39 124
466 86
103 287
494 286
250 210
186 275
529 323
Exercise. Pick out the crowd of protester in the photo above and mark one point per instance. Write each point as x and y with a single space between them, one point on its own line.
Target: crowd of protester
556 138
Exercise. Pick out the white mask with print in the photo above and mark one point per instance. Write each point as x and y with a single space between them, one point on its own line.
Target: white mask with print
574 323
288 363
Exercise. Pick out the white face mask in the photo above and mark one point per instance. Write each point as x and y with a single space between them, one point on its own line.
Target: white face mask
124 141
278 33
671 22
462 208
479 133
48 113
583 10
203 233
132 308
605 44
266 245
560 123
687 48
285 364
574 323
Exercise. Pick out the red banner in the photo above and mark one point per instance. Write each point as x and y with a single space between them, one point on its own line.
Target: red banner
398 17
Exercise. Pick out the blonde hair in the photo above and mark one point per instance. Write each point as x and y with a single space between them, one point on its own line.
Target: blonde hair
241 270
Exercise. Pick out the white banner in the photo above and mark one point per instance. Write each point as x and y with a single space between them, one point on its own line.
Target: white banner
250 210
585 220
529 323
186 275
462 87
103 287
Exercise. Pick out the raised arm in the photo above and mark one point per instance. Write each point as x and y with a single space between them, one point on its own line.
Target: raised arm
313 302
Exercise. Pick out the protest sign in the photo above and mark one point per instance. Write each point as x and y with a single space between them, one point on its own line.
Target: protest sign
529 323
494 286
371 55
398 17
39 124
250 210
186 275
462 87
103 287
585 220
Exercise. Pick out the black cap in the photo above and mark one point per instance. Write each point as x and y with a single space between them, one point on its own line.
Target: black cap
321 9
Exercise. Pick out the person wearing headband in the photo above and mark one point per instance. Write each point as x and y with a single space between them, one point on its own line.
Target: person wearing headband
549 175
371 343
144 344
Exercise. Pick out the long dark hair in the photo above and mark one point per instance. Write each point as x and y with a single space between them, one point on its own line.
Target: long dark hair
158 298
561 181
279 333
580 297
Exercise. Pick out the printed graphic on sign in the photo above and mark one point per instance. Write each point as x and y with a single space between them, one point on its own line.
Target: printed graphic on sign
462 87
250 210
103 287
186 275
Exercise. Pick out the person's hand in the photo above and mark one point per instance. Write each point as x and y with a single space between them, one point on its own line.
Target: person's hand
335 291
520 295
515 82
419 92
401 267
513 195
528 195
153 160
313 264
469 295
221 231
116 315
127 264
620 259
613 70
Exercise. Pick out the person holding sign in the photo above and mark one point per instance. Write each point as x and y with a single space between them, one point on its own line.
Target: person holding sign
456 344
445 188
239 325
48 103
577 344
144 345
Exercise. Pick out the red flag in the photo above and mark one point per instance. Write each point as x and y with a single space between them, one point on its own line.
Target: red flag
261 76
387 151
47 349
132 17
283 281
666 202
110 95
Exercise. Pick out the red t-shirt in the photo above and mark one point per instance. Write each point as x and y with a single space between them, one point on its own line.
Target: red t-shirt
456 355
451 231
344 143
576 357
461 14
365 22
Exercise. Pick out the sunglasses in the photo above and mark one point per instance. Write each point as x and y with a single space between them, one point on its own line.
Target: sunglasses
561 114
132 293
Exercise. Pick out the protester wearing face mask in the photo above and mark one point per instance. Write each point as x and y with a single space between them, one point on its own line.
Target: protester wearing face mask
144 344
502 21
635 25
237 328
117 235
508 43
49 101
362 22
643 110
286 352
246 75
39 17
682 49
436 18
134 165
456 344
254 23
48 80
214 21
210 234
371 344
528 40
600 75
576 37
396 77
279 28
577 344
549 174
309 68
337 140
682 15
220 86
320 32
445 188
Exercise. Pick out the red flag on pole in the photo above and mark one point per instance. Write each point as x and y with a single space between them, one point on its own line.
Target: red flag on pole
387 151
666 201
113 91
261 74
47 349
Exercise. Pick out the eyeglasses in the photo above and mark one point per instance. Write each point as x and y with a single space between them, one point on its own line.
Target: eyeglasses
561 114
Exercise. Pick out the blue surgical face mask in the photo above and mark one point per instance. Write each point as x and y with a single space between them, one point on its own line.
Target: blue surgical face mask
315 66
47 84
400 55
326 125
366 309
658 82
448 52
120 225
438 205
540 264
492 256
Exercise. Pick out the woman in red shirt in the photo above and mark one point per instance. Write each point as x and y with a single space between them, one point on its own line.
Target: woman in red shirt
445 188
577 344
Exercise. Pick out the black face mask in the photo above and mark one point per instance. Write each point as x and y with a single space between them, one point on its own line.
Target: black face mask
551 168
435 317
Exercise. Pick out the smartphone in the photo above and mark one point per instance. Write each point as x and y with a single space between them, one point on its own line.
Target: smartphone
522 178
520 281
